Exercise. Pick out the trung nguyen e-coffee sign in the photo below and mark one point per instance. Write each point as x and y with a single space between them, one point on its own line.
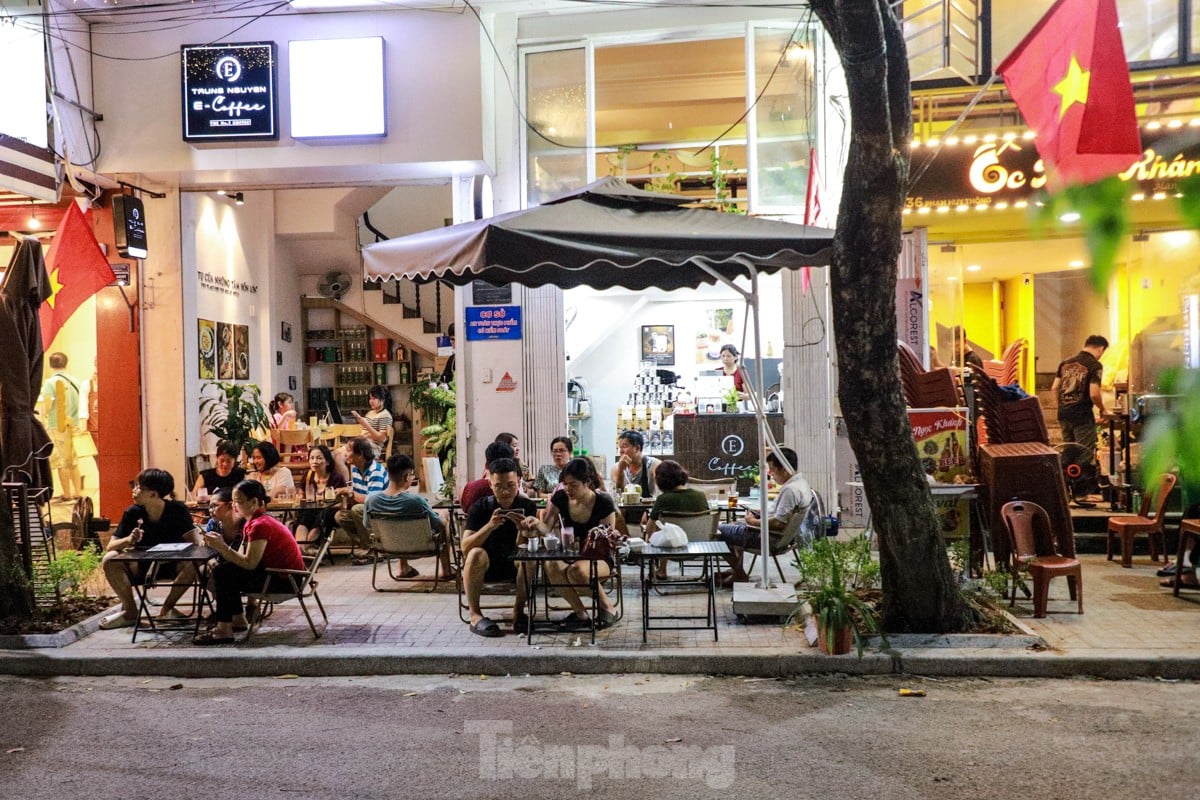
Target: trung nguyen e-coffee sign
230 92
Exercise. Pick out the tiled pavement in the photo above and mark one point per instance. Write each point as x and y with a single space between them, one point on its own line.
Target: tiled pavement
1127 615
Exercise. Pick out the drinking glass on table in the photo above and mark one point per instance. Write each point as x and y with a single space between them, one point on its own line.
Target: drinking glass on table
568 540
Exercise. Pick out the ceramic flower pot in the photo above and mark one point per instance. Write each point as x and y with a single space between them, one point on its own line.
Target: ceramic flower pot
835 642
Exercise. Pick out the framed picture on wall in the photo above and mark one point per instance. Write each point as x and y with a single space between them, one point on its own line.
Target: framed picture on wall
206 346
224 351
291 383
658 344
241 349
285 331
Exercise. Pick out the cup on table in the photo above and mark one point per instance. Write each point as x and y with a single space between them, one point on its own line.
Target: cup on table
202 495
568 539
733 499
534 543
552 543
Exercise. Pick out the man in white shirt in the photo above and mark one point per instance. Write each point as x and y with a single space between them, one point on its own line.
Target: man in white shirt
794 497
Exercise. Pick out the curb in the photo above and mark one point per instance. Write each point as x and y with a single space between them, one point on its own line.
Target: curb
33 641
363 661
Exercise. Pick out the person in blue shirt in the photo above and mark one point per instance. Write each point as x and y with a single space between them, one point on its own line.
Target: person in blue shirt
396 502
366 476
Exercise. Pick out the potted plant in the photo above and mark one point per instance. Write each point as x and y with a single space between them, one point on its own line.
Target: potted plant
841 616
235 414
730 401
436 405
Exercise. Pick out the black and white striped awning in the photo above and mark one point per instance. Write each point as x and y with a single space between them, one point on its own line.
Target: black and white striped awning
28 170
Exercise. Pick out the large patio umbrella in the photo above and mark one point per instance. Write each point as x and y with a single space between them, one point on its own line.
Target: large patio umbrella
611 234
24 444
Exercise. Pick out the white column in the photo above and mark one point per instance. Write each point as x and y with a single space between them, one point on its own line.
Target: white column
808 378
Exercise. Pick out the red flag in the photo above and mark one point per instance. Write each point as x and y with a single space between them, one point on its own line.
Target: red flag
812 208
1070 80
77 269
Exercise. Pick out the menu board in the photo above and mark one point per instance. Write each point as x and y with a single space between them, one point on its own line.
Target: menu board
720 446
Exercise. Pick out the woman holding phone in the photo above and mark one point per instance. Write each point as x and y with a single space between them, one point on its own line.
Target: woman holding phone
378 420
267 544
580 507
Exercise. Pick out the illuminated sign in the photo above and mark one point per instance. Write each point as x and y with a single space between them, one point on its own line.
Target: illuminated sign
230 92
336 88
1008 171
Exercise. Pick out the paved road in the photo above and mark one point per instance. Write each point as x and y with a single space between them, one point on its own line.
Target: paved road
628 736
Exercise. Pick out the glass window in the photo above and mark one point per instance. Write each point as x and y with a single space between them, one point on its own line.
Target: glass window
785 116
556 134
1149 28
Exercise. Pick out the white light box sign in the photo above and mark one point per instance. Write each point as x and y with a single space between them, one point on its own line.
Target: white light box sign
23 63
337 88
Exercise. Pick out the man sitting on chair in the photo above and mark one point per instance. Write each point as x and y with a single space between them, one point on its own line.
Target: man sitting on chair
493 525
396 502
367 476
795 494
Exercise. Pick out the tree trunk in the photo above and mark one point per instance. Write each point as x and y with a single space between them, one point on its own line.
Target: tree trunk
15 598
918 588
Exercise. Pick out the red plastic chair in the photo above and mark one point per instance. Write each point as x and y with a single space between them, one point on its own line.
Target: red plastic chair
1128 527
1038 555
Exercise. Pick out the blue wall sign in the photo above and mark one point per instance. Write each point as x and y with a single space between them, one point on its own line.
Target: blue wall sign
493 322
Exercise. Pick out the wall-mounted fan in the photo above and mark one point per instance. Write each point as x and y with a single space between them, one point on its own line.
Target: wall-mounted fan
334 285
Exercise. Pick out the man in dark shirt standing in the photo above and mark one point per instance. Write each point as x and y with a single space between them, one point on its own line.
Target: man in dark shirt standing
1077 388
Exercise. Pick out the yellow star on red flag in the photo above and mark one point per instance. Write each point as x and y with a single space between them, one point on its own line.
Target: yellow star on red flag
55 286
1073 88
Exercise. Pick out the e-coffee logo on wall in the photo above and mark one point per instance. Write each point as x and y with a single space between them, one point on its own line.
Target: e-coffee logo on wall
229 92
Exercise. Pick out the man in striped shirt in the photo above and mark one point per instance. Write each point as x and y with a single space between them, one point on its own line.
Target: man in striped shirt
366 477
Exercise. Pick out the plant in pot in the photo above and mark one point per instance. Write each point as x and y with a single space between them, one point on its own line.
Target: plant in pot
842 617
234 414
436 405
730 401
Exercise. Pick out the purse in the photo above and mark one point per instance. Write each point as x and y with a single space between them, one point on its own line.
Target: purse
600 544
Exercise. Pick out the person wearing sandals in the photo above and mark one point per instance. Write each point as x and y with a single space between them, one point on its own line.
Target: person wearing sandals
367 476
313 525
154 518
494 523
274 476
267 544
397 503
579 506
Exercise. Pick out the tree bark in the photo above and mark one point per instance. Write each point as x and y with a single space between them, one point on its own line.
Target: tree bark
918 588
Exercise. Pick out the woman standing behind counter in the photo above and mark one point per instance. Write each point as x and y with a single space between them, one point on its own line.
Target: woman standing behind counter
731 366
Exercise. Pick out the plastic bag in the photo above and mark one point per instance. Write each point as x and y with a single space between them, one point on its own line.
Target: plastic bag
669 535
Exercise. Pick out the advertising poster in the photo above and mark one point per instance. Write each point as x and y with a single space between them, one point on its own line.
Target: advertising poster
207 346
224 351
941 437
241 350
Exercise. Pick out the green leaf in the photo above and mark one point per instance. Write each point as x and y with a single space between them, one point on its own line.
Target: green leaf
1189 203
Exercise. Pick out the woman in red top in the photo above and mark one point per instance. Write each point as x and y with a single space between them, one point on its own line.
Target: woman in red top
730 365
267 545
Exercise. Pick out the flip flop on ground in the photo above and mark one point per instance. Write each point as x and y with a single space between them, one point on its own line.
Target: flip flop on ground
207 639
117 621
486 627
1187 580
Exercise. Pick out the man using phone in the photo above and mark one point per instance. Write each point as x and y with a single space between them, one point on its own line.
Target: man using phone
493 525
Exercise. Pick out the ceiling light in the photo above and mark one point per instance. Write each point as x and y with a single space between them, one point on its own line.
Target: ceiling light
1076 264
1070 216
1153 126
973 268
33 223
1027 135
237 197
972 139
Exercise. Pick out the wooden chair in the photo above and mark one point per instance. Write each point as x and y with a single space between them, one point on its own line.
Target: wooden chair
1128 527
1186 527
302 586
394 538
1037 554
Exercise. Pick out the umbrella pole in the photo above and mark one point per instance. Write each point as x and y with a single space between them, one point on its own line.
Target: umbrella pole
764 432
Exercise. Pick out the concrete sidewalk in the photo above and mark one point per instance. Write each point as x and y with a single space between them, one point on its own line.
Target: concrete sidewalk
1130 628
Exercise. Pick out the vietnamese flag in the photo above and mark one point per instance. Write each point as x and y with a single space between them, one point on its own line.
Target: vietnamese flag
77 269
1070 80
